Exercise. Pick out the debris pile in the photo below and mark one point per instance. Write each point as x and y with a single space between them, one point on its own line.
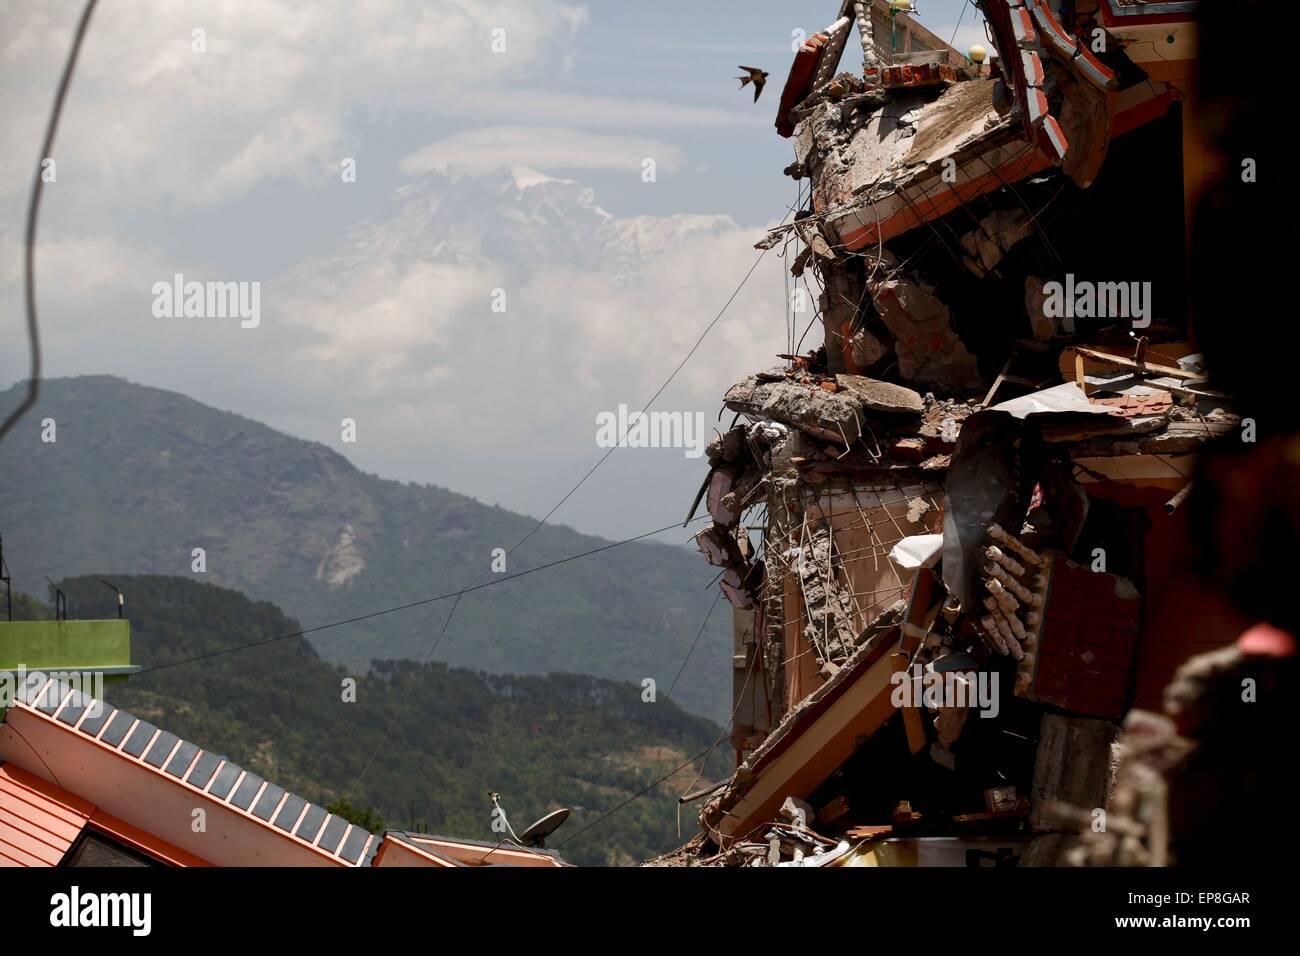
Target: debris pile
968 566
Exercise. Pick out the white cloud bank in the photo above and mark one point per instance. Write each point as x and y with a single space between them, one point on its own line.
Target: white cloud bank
544 147
152 118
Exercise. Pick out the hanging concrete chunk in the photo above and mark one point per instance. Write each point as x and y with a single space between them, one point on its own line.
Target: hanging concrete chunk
720 485
719 547
833 416
928 349
993 238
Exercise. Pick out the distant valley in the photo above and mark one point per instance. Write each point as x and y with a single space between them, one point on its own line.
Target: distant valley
139 477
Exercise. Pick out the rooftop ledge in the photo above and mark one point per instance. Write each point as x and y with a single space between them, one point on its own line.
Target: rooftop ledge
88 646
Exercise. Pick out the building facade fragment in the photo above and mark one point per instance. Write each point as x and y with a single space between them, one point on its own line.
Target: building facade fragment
970 566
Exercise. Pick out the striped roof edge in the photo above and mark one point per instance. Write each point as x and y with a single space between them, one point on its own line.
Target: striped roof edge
185 764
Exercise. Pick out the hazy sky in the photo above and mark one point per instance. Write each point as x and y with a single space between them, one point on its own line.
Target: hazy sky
376 296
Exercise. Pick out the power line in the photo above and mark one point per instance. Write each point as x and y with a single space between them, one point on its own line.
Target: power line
698 634
707 754
964 7
408 606
591 471
653 398
636 796
33 213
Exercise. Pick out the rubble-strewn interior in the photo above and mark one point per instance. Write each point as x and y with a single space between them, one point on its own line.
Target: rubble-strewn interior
951 532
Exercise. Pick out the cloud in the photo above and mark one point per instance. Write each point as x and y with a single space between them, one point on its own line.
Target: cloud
604 112
599 310
272 95
542 147
393 325
379 320
164 161
76 269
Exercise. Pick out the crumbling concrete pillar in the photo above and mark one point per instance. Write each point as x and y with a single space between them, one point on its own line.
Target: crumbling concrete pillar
837 35
870 61
928 349
1073 770
753 721
842 291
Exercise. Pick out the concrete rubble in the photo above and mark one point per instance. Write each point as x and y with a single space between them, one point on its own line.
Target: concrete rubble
966 499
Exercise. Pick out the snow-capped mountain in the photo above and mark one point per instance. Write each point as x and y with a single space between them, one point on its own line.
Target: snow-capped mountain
525 218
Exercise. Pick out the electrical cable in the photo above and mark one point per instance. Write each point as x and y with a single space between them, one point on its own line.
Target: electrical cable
9 725
698 634
407 606
33 213
600 461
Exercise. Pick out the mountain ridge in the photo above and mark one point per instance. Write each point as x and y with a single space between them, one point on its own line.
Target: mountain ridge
543 741
139 477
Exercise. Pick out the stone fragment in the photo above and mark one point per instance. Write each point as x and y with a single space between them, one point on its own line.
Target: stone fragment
928 349
833 416
878 396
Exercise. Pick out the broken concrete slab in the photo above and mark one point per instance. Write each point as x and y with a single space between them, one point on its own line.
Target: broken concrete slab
878 396
833 416
719 547
720 484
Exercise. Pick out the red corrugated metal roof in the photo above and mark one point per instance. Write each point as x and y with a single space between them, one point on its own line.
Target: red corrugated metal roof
38 821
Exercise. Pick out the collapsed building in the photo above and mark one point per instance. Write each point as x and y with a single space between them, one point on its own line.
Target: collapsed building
951 533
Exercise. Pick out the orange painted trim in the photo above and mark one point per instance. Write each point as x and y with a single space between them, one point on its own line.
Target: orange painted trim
888 643
39 821
1145 112
44 790
145 842
394 845
906 218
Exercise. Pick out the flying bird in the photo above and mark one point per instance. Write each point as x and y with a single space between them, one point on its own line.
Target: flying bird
756 76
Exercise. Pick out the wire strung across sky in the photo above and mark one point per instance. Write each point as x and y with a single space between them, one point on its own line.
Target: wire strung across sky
33 329
636 796
412 604
704 754
569 494
33 214
698 635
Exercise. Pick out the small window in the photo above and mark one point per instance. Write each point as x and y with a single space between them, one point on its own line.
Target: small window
97 850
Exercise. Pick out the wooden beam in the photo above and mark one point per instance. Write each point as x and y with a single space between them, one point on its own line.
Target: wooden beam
1119 361
912 721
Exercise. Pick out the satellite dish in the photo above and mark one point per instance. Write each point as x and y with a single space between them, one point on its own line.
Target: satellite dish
536 834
